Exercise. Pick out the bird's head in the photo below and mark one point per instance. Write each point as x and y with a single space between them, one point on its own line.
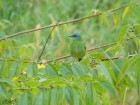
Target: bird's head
75 35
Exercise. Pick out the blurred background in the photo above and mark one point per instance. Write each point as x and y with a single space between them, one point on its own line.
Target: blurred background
20 15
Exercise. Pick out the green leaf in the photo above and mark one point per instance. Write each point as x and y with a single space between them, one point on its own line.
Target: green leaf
126 67
108 87
24 99
99 89
76 97
1 4
59 82
86 78
22 66
31 83
3 92
126 11
129 62
2 67
31 98
69 95
78 69
116 18
2 34
4 23
7 81
103 19
35 70
138 76
43 97
137 27
49 81
122 33
86 20
89 94
102 67
54 96
32 69
51 70
66 70
137 41
47 95
116 47
39 99
13 69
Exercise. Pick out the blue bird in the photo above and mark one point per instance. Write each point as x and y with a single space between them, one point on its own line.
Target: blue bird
77 46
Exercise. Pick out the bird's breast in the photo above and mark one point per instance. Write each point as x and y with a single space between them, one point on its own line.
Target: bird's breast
77 49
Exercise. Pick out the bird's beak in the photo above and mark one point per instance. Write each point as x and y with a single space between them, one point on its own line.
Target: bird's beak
71 36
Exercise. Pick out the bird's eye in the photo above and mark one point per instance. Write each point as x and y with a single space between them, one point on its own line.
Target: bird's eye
74 36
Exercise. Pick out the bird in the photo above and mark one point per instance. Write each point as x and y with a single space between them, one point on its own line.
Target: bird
77 47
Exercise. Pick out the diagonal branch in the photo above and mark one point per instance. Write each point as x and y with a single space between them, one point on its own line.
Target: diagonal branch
59 58
48 39
61 23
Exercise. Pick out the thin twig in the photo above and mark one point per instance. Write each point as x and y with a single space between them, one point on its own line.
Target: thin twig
114 58
16 60
61 23
48 39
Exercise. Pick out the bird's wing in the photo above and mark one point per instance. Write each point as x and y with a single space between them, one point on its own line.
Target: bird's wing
85 46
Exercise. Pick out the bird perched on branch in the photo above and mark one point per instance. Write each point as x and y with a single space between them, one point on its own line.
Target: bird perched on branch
77 47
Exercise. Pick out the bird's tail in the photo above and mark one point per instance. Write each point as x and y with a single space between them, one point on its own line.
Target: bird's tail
79 59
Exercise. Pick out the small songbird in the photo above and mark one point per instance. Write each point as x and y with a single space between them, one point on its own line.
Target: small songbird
77 47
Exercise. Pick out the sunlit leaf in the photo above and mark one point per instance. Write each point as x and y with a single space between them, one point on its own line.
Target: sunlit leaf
126 11
15 78
116 18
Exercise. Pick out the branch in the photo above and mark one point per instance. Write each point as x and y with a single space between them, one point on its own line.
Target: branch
59 58
67 56
114 58
16 60
61 23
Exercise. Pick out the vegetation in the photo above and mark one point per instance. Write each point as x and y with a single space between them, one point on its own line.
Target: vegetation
109 74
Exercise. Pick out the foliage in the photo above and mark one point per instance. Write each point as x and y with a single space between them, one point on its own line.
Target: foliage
107 75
